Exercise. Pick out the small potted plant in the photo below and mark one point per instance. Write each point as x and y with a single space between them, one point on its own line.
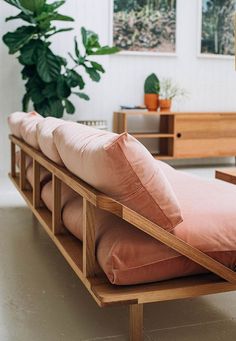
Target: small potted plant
168 92
151 90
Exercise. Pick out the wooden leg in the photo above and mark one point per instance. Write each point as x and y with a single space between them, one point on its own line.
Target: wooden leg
136 322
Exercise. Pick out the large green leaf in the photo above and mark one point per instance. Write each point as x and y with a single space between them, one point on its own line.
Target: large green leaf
43 108
77 52
33 5
48 66
18 5
51 7
36 95
50 90
23 16
25 102
63 90
56 108
97 67
15 40
84 36
28 71
59 31
70 109
30 51
93 74
82 95
104 50
53 16
74 79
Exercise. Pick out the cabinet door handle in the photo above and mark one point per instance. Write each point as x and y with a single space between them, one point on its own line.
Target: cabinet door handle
179 135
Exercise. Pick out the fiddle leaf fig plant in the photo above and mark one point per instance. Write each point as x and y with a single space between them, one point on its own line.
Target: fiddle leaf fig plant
49 80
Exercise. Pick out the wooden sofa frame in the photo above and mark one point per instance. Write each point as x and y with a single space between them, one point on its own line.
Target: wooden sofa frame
81 256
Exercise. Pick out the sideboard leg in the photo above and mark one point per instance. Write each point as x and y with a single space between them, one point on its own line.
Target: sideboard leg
136 322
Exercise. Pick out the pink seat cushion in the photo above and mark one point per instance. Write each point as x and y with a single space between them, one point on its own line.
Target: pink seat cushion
121 167
128 256
209 210
66 194
14 121
45 129
28 160
28 129
45 175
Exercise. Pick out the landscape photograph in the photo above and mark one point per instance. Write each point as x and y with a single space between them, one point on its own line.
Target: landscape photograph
144 25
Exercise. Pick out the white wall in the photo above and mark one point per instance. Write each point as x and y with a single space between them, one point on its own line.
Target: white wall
210 82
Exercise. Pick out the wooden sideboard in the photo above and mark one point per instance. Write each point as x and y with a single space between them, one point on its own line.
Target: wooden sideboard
186 134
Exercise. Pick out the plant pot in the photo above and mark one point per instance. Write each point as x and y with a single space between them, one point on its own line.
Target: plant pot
151 101
165 104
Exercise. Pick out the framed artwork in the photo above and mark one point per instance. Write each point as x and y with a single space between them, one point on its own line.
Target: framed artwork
217 37
144 26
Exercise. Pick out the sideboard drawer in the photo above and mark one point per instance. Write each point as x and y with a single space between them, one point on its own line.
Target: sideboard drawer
187 148
193 126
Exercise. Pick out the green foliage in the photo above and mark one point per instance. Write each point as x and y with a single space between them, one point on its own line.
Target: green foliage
171 90
49 81
152 84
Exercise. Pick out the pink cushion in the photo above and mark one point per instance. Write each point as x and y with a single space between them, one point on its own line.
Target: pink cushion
45 175
121 167
14 121
28 129
66 194
208 208
28 160
128 256
45 129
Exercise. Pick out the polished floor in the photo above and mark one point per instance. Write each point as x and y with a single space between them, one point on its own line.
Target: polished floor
41 299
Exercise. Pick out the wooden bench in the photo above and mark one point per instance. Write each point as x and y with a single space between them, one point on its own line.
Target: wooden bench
81 256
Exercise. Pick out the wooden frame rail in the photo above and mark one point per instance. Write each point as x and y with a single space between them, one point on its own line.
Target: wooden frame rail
81 256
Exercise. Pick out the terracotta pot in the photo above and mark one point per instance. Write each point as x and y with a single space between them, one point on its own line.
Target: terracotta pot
165 104
151 101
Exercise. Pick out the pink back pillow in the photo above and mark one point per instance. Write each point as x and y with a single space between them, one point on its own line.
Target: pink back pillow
14 121
28 129
45 129
121 167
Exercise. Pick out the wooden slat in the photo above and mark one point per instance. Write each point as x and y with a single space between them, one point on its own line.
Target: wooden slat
13 159
36 184
109 204
22 170
178 245
89 258
56 211
136 322
151 135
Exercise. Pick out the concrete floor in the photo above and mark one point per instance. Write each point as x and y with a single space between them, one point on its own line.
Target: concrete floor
42 299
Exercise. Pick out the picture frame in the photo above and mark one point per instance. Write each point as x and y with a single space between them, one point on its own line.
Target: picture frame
202 46
143 52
